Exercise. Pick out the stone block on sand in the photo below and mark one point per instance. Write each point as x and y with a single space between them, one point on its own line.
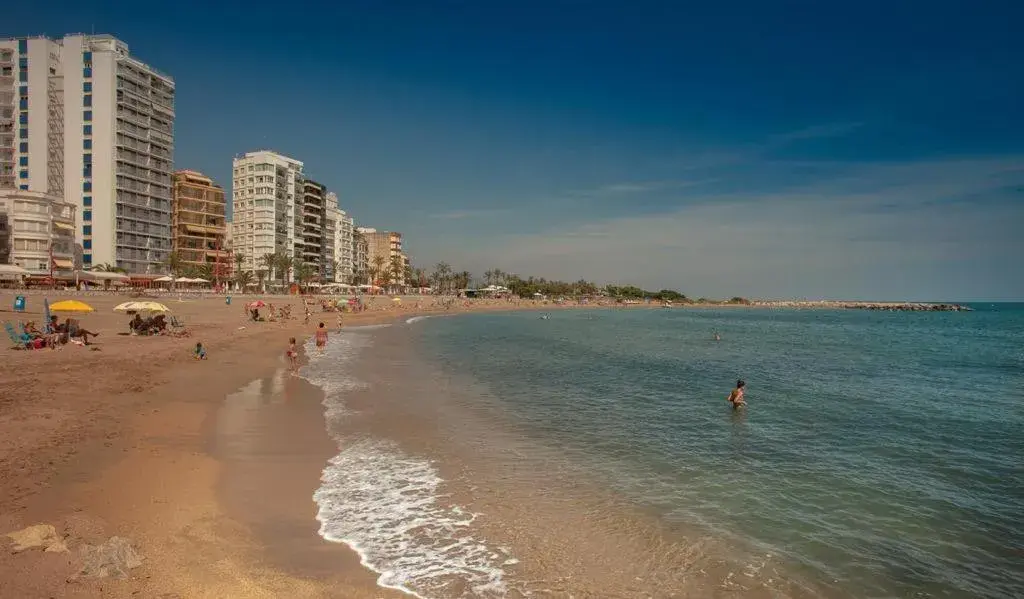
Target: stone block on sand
38 535
111 559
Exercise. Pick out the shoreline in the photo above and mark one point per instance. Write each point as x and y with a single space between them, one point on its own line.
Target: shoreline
139 416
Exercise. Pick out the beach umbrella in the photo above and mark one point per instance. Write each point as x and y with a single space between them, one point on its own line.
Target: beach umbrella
141 307
256 304
71 306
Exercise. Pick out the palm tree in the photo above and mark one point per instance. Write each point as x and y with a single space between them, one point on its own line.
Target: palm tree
260 275
239 260
378 265
371 274
440 277
397 270
243 278
303 271
385 278
269 263
205 271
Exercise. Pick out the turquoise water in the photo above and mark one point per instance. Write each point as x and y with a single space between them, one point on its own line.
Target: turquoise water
880 452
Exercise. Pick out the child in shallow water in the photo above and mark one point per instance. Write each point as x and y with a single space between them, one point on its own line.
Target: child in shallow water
293 354
200 352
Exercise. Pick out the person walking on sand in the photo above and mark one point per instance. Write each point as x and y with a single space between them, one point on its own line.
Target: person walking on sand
736 397
321 338
293 355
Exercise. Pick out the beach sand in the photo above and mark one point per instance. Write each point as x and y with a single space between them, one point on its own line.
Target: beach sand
136 439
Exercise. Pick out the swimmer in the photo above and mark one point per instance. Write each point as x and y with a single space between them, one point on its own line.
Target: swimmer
736 397
717 336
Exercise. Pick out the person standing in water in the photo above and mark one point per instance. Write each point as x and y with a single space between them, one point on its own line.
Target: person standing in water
736 397
321 338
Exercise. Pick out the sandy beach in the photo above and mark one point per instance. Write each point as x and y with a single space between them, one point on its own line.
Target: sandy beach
132 437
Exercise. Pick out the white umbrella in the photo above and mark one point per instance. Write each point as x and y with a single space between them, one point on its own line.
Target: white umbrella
199 280
164 279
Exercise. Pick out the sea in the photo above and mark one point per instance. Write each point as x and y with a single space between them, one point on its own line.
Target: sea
592 453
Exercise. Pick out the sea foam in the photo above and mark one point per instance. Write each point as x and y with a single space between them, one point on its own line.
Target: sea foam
416 319
387 506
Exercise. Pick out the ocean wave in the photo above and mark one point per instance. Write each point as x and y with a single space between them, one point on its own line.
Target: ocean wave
385 505
416 319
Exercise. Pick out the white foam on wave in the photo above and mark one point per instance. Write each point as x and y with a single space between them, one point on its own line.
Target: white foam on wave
416 319
386 505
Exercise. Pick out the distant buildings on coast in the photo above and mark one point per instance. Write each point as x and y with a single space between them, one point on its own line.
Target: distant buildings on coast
87 180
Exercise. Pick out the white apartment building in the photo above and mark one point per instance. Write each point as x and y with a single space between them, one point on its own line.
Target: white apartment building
265 189
41 230
340 244
95 125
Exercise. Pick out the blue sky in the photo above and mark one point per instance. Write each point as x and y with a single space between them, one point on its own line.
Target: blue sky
768 149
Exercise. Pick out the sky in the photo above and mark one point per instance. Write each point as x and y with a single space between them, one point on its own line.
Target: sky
868 150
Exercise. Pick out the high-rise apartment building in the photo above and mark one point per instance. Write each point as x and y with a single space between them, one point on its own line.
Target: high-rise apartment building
384 251
266 188
309 227
95 125
360 257
197 220
339 242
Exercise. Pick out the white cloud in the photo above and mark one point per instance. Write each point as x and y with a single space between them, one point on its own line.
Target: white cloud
873 230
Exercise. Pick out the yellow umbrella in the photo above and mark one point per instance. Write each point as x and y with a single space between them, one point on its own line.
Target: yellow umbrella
70 306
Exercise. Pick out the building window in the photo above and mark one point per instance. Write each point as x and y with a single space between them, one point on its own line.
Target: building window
87 87
87 170
87 200
86 129
87 258
87 215
23 118
23 77
86 57
87 100
23 147
23 134
87 115
23 62
23 161
22 46
87 72
87 158
86 144
23 175
87 186
23 187
23 104
86 244
86 229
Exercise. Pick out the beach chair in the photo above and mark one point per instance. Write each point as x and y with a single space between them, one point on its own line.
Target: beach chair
17 341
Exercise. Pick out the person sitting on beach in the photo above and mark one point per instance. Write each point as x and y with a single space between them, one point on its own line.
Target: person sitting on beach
736 397
135 324
293 354
200 352
321 337
73 330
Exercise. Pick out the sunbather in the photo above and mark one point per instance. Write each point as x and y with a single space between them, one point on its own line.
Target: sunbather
72 330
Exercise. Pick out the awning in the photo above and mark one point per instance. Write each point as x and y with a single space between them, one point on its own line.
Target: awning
64 226
61 263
